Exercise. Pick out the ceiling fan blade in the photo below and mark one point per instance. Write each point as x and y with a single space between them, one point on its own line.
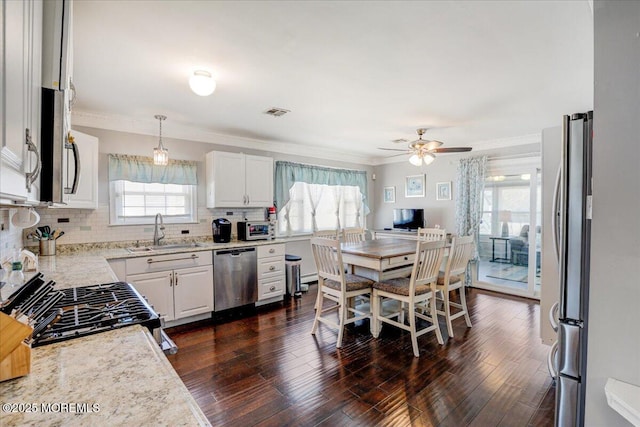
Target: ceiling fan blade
432 144
393 149
451 150
396 155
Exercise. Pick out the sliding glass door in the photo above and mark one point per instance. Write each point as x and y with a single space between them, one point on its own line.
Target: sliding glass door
509 237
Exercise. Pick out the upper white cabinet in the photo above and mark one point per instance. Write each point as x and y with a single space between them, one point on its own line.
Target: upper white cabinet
20 105
86 196
238 180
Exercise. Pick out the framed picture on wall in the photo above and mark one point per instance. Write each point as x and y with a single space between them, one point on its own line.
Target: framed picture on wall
414 186
443 191
389 194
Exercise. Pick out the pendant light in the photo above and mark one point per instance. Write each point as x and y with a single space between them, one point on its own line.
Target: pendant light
160 154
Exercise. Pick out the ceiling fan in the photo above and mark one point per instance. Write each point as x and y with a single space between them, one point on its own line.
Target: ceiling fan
422 150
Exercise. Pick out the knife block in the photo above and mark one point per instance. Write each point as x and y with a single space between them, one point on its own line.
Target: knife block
15 355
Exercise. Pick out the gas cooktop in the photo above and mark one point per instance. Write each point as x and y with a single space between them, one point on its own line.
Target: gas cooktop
88 310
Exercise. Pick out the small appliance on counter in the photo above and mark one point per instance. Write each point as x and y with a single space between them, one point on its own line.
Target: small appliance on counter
221 228
255 230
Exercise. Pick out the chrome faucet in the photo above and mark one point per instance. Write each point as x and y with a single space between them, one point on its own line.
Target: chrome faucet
158 232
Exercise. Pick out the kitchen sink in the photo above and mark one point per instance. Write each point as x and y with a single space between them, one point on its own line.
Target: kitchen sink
145 249
176 246
140 249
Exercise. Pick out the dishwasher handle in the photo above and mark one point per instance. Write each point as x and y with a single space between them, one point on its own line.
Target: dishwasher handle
235 252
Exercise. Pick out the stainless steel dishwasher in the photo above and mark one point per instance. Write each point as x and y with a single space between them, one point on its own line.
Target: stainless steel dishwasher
235 278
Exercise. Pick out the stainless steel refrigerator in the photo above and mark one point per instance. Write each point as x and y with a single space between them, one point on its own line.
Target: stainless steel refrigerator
573 232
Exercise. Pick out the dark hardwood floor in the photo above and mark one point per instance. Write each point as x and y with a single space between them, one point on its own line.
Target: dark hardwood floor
266 369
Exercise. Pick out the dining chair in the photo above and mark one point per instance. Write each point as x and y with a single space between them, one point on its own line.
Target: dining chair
452 278
413 293
337 286
431 234
352 235
327 234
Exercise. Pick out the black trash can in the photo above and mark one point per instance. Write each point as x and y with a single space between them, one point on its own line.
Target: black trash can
292 271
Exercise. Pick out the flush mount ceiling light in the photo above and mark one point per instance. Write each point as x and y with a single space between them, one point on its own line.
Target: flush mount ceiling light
160 154
201 83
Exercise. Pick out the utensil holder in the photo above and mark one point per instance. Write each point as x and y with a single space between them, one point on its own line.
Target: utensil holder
47 247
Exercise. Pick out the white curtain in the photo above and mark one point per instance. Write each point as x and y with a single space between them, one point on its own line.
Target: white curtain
314 207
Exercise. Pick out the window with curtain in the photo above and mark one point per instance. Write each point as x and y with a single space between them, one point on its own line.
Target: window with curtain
138 190
314 198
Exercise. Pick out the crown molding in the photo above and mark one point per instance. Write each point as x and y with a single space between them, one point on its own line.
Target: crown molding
492 144
192 133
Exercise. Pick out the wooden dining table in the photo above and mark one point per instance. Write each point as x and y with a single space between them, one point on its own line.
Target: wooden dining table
380 259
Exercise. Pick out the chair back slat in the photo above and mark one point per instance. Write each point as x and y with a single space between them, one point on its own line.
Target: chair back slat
427 263
459 255
431 234
327 234
328 258
353 235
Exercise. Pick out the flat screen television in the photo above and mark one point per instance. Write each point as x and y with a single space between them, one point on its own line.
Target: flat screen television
408 219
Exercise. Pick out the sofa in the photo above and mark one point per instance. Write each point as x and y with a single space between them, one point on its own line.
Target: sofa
520 247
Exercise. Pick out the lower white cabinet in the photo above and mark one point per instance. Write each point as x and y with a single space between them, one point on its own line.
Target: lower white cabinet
271 274
179 293
175 293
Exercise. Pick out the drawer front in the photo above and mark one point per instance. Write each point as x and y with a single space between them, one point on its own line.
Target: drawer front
270 267
401 260
270 288
271 250
151 263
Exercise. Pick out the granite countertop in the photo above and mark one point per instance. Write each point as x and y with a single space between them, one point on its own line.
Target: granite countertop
117 250
124 372
120 377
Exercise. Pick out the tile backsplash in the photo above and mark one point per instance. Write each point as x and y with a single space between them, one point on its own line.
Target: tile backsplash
10 236
91 226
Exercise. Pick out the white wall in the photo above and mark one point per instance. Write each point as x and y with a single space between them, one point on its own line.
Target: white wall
88 226
614 314
443 169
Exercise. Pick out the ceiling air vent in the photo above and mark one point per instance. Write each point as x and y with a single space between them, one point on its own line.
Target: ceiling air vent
277 112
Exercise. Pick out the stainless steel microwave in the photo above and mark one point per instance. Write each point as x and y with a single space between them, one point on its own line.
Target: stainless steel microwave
255 230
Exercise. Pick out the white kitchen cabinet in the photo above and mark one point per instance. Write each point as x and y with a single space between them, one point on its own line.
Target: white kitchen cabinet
86 196
238 180
158 289
177 285
192 291
20 105
271 274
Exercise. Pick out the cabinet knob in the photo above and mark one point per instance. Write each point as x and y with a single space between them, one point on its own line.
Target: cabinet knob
271 250
273 267
272 288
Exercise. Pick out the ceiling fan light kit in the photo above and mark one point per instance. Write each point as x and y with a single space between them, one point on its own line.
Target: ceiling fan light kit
422 150
201 83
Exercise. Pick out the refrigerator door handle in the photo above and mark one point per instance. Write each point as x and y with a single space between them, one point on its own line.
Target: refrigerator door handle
568 403
570 358
552 361
555 223
553 312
